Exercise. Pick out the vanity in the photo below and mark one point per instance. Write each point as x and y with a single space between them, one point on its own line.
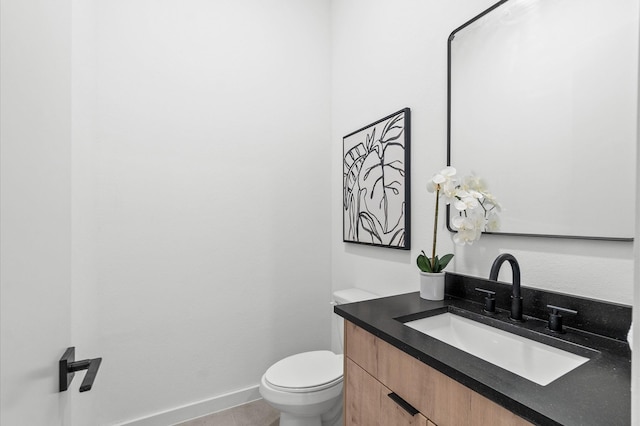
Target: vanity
398 375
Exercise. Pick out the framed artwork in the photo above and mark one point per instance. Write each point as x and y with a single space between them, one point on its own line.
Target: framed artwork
376 208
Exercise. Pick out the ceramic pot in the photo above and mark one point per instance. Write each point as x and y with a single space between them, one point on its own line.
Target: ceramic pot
432 285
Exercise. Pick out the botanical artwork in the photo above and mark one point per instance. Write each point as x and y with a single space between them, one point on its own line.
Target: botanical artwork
376 183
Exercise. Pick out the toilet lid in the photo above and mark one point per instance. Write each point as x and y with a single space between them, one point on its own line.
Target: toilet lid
317 369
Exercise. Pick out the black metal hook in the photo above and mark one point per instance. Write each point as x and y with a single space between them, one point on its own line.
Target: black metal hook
68 366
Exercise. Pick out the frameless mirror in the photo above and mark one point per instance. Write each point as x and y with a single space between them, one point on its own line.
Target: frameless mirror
543 105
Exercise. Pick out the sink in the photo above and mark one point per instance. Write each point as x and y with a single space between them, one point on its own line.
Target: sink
527 358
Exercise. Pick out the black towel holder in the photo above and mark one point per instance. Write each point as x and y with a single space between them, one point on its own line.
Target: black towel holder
68 367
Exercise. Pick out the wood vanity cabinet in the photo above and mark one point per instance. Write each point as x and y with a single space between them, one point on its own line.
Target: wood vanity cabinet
374 369
369 403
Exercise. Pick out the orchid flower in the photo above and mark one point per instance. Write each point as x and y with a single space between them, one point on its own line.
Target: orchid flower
477 212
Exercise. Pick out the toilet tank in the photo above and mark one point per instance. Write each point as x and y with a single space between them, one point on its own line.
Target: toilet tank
340 297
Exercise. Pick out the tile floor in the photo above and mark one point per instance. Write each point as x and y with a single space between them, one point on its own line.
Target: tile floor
256 413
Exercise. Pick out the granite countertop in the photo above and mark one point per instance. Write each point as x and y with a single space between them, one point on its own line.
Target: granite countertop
596 393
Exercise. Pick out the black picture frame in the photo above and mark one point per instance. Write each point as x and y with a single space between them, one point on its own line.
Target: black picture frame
376 208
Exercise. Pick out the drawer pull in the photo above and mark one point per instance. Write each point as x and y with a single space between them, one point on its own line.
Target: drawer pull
404 404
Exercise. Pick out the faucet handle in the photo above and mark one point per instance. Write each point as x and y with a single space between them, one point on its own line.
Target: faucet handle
489 300
555 317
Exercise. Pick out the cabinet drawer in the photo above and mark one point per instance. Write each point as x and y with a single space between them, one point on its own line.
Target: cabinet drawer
438 397
367 402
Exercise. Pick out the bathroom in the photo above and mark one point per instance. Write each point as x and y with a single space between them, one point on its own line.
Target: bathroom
158 164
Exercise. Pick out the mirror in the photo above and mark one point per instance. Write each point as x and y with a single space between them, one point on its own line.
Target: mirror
543 106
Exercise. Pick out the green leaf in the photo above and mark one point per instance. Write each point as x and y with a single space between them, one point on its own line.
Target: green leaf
445 261
423 263
428 263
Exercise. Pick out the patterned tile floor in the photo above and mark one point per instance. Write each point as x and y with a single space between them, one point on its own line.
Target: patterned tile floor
256 413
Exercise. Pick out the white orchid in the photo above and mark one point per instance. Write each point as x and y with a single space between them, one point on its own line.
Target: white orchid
477 212
444 185
467 230
477 209
449 192
474 182
491 203
444 178
466 200
493 222
446 174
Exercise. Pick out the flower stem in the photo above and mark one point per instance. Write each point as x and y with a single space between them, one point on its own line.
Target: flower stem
435 231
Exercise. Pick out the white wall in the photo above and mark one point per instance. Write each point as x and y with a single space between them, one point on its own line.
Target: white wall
85 291
388 55
201 144
35 216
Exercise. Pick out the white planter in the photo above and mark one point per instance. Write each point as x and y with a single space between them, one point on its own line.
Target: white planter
432 285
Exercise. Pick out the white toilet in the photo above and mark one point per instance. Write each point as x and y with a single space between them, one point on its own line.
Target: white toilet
307 388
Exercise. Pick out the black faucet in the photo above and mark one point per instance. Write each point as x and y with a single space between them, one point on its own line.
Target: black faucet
516 298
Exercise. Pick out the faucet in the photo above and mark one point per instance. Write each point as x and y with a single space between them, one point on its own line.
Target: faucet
516 298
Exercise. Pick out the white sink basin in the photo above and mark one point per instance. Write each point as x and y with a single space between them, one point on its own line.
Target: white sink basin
527 358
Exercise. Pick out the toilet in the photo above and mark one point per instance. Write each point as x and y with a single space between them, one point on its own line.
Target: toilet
307 388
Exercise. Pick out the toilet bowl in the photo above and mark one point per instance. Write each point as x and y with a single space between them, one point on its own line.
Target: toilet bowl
307 388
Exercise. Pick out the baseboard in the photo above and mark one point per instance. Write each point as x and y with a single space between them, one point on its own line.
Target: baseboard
198 409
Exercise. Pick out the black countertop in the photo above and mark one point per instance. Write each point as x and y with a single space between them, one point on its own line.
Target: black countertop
596 393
